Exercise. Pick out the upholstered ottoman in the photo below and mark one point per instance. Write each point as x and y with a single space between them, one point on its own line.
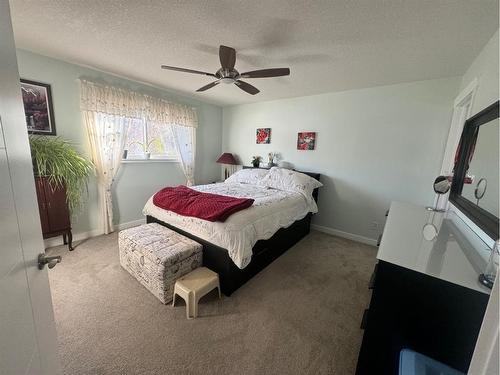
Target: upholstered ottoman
157 256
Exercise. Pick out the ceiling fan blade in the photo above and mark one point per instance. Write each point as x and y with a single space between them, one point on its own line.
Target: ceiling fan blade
187 70
247 87
227 57
209 86
264 73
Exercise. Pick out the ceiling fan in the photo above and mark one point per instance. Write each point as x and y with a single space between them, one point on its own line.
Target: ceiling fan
227 74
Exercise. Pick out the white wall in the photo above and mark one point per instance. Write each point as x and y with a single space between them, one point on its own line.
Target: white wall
373 146
485 69
135 182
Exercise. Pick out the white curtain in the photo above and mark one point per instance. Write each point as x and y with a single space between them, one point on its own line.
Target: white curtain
107 111
106 136
100 98
185 144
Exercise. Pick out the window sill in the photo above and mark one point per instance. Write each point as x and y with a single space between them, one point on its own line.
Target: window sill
139 161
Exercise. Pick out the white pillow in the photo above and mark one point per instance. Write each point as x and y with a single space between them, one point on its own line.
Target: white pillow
287 180
248 176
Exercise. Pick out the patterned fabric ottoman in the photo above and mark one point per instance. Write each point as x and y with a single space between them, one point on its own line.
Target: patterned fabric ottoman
157 256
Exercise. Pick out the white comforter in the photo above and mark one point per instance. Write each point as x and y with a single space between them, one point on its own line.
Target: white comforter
273 209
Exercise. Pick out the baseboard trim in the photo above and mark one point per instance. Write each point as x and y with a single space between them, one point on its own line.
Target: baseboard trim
57 241
130 224
349 236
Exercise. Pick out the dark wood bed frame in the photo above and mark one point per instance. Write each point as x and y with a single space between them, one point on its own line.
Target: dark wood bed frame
264 252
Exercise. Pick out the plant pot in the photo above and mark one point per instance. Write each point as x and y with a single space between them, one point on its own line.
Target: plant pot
147 155
256 165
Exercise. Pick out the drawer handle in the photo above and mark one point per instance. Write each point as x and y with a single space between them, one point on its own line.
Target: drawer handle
364 320
262 251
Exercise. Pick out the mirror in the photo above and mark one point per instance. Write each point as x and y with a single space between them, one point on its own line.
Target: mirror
480 190
481 186
429 231
475 187
441 186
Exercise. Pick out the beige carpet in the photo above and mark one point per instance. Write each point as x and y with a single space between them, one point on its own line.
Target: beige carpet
300 315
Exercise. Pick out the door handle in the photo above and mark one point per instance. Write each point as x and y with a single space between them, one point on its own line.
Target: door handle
50 261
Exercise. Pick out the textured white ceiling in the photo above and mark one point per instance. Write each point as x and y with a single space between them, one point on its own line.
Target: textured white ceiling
328 45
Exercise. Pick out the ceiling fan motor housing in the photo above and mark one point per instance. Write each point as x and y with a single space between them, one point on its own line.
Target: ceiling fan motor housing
227 75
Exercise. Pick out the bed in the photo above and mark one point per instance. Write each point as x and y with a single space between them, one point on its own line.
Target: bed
249 240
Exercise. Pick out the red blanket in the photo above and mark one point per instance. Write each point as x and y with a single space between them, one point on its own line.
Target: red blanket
188 202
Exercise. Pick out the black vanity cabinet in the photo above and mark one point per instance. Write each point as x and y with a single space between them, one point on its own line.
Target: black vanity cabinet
426 296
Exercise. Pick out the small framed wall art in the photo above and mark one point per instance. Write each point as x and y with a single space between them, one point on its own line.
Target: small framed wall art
263 136
306 140
37 101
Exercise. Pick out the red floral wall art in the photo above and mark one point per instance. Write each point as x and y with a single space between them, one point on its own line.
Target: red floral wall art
306 141
263 135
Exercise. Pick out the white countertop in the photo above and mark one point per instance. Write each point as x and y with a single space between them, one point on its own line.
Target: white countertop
456 254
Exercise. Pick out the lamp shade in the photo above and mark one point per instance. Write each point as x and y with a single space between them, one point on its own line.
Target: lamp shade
227 158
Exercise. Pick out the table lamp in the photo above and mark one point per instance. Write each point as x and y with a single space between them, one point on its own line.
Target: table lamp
226 159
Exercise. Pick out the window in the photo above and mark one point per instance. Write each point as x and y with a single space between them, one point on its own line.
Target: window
144 141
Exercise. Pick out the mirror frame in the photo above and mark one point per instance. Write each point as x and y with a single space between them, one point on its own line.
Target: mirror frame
482 218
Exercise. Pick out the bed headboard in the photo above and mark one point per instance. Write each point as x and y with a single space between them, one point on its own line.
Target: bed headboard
314 175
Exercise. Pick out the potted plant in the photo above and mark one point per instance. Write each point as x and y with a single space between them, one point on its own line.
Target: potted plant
57 160
256 161
146 147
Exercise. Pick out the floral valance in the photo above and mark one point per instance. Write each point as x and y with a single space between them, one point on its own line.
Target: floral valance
96 97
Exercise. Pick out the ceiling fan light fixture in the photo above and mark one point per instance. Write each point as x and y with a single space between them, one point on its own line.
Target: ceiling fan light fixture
227 80
228 75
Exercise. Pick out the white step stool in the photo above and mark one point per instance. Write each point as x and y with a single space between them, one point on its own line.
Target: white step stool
193 286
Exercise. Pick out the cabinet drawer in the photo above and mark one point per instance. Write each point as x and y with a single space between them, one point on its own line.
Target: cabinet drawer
371 283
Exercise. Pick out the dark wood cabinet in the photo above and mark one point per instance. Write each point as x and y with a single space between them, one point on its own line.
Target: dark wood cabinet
54 212
410 310
426 296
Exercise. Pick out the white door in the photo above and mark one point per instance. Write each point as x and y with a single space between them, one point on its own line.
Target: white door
27 331
485 360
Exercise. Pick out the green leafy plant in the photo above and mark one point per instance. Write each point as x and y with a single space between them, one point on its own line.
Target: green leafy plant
256 161
146 147
57 160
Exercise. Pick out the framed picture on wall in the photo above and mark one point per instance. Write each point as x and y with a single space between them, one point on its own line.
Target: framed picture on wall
263 136
38 110
306 140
